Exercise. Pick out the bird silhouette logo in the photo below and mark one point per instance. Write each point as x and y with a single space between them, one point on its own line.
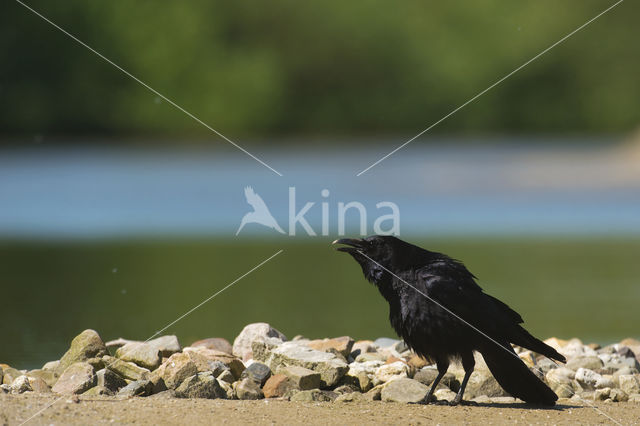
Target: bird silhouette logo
260 213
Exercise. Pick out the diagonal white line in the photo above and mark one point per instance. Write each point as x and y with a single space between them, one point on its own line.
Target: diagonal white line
214 295
145 85
485 335
490 87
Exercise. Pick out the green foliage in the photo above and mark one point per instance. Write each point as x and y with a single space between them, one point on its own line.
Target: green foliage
258 69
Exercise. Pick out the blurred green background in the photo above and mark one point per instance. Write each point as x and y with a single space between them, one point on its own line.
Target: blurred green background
284 68
105 223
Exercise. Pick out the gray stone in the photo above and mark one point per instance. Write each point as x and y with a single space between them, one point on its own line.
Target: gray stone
258 372
137 388
247 389
629 383
404 390
142 354
587 378
98 391
341 345
21 385
226 376
201 385
303 378
330 367
384 342
242 345
387 372
207 359
167 345
126 369
76 379
216 343
588 362
109 380
84 346
314 395
177 368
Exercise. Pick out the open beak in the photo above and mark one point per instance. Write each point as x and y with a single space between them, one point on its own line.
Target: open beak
352 243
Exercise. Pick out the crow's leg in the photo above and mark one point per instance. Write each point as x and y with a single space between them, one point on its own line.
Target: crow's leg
468 363
443 366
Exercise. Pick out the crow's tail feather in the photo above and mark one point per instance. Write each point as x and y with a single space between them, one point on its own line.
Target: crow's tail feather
526 340
515 377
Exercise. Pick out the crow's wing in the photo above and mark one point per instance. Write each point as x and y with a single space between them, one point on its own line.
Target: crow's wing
255 200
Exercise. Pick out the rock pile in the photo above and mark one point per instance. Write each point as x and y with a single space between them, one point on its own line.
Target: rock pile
261 363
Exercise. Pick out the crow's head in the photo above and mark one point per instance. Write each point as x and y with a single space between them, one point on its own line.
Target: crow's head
378 254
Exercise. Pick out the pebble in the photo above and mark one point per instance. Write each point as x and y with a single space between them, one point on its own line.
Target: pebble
207 359
247 389
258 372
177 368
343 345
136 388
84 346
201 385
125 369
404 390
140 353
629 383
76 379
278 385
215 343
242 345
314 395
302 378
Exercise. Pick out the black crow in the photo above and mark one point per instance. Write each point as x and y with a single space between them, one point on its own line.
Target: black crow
439 310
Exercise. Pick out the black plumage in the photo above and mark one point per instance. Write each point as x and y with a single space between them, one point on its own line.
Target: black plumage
440 311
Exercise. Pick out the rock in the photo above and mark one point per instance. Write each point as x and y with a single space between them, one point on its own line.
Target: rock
605 381
625 352
444 394
167 345
634 397
176 369
387 372
166 394
98 391
618 395
125 369
404 390
371 356
279 385
560 381
51 365
49 377
201 385
362 347
629 383
21 385
330 367
303 378
226 376
385 342
258 372
587 378
427 375
5 388
38 385
76 379
137 388
482 399
503 400
633 344
109 380
247 389
215 343
142 354
117 343
588 362
601 394
417 362
10 374
205 360
314 395
482 382
242 345
346 389
361 374
84 346
342 345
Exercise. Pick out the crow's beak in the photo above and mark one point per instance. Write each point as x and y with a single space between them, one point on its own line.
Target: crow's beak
354 244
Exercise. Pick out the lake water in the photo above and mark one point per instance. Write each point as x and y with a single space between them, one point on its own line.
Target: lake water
126 241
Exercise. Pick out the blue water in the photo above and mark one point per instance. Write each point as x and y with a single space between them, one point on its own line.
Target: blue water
439 189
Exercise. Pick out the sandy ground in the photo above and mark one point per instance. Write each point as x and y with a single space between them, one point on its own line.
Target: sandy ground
106 410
